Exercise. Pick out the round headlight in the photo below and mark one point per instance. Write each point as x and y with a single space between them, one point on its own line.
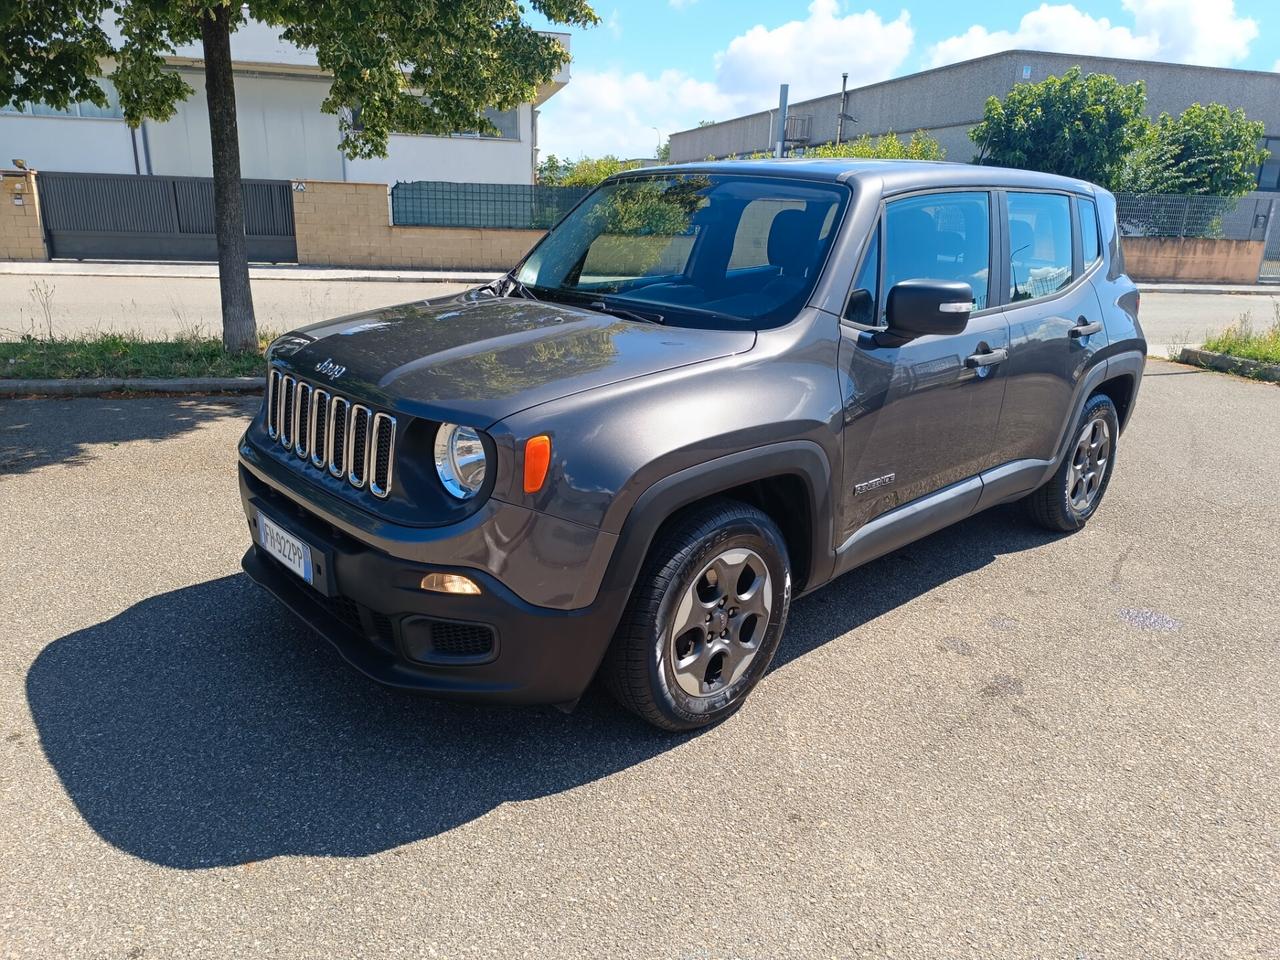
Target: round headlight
460 460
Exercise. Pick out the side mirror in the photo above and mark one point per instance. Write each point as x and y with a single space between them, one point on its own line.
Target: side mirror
917 308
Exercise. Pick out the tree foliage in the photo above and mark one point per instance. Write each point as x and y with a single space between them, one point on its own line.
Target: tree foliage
921 146
1208 149
584 172
399 65
1074 125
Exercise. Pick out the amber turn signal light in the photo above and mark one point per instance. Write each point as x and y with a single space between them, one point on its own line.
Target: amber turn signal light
537 460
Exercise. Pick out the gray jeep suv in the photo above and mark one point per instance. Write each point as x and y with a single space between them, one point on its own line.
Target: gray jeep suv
709 389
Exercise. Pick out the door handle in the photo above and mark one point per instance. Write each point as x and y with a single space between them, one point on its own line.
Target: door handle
988 358
1084 328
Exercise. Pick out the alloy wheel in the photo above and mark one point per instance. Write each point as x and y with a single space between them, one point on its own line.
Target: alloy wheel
1089 465
720 622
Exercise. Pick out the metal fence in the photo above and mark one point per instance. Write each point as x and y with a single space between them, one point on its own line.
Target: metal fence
1180 215
432 203
130 217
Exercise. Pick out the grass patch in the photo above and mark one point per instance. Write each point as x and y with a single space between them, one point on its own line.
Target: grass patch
1242 340
124 355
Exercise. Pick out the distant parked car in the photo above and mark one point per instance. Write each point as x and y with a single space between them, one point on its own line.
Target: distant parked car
709 389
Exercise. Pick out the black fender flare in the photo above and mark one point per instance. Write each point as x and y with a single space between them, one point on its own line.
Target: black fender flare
1128 362
803 458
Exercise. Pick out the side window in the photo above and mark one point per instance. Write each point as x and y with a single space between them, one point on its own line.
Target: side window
862 301
1090 243
941 236
1039 245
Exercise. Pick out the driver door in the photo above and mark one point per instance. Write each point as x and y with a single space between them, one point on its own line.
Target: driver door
922 415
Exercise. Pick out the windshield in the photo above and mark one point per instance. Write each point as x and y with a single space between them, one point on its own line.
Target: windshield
695 249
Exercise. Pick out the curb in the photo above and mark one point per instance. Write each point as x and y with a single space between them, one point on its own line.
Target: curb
1211 290
1223 363
92 387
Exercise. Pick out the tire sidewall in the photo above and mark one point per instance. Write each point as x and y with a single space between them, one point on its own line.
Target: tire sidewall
1099 407
699 711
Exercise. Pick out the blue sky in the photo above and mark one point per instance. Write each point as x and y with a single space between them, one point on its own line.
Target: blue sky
670 63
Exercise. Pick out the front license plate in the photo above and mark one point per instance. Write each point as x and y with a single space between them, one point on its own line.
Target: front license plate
285 547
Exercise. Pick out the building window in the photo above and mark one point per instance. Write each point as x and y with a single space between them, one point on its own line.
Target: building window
507 122
83 109
1269 172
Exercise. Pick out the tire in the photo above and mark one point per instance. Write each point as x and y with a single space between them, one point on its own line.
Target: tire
680 679
1072 495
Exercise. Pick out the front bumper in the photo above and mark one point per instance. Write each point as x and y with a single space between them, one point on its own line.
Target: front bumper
368 604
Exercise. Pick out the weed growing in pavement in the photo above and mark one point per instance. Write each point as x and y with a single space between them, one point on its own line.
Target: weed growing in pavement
127 355
1242 340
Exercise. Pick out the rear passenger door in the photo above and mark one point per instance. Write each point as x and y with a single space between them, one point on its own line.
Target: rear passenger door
1051 250
922 415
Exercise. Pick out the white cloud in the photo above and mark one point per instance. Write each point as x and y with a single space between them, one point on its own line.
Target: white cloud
681 4
1276 66
811 54
1184 31
614 112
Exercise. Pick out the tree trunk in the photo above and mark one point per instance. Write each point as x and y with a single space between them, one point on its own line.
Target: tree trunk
239 330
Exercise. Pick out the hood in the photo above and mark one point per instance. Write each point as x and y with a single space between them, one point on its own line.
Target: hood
480 359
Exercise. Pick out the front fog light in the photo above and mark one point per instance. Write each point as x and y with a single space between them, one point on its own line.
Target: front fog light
450 583
460 460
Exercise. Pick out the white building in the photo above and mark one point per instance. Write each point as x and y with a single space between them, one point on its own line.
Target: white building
283 134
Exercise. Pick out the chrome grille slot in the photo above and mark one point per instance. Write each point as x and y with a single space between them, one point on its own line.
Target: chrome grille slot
382 451
358 445
351 441
273 411
301 418
286 411
318 428
336 449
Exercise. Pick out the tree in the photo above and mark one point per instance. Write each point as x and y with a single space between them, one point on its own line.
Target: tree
584 172
399 65
1213 149
1074 125
889 146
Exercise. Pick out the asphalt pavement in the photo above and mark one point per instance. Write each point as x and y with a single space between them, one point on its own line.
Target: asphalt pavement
994 743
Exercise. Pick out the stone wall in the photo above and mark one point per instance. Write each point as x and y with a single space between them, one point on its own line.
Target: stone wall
349 225
1192 259
21 237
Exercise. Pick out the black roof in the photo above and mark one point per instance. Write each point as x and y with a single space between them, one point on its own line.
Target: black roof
895 176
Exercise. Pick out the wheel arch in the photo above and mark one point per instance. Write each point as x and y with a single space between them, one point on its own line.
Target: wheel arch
1121 390
789 481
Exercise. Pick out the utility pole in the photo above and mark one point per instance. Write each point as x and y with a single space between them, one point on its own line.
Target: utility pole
780 145
844 107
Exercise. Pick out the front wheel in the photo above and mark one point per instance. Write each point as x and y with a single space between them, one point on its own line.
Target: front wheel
705 618
1076 488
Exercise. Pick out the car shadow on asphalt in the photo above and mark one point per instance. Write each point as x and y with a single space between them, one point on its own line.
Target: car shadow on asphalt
40 432
205 727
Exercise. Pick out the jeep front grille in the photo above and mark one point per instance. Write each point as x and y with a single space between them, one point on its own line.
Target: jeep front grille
329 432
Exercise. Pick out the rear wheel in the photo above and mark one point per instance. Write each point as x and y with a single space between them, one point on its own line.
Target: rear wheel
705 618
1076 488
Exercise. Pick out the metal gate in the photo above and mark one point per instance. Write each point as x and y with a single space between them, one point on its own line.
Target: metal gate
1270 272
111 216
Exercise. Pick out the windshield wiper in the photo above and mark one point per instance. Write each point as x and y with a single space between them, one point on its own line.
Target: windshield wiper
623 312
